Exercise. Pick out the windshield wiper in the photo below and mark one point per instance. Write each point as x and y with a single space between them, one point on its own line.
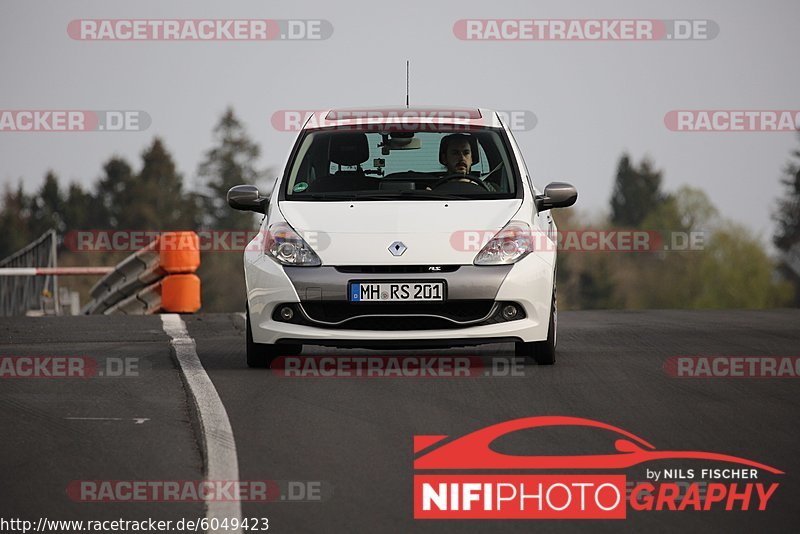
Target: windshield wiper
325 196
380 195
408 194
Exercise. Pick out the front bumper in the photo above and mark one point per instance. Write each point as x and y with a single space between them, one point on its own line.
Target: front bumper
528 284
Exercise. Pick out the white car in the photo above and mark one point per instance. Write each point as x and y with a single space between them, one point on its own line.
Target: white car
399 229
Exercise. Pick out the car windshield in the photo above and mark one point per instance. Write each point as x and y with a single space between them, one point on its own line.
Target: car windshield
402 165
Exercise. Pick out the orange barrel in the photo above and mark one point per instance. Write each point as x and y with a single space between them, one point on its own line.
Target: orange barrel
179 252
180 293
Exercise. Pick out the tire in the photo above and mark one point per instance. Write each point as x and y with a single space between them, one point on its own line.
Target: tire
260 355
544 352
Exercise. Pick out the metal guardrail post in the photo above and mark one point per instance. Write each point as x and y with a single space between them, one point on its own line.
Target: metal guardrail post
54 260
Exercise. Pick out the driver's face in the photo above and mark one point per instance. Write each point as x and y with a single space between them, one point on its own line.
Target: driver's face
458 157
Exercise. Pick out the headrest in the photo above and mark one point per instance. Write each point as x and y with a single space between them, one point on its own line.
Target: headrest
349 148
447 139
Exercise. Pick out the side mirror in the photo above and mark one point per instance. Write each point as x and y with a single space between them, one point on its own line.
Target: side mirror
247 198
557 195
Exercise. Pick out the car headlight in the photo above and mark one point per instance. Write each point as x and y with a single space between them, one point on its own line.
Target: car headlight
288 248
509 245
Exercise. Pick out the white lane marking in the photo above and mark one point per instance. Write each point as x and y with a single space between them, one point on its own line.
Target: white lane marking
215 428
136 420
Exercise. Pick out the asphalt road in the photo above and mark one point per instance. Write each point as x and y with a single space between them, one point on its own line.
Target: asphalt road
352 438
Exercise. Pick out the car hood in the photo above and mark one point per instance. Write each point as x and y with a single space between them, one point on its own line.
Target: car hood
434 232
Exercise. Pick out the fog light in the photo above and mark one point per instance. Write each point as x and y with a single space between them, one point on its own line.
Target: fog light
287 313
509 312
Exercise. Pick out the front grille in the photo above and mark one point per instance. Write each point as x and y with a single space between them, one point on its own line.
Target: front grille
458 310
399 269
398 323
337 314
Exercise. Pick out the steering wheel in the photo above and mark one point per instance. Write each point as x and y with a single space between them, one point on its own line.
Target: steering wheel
458 176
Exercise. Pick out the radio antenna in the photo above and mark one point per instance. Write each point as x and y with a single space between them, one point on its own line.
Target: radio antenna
407 64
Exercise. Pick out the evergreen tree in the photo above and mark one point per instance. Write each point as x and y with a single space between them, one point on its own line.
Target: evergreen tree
14 218
158 193
787 235
153 199
232 161
113 195
80 209
636 192
46 207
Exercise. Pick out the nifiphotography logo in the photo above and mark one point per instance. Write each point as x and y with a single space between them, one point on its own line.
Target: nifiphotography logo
553 486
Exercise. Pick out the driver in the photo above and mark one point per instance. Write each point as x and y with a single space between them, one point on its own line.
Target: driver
458 154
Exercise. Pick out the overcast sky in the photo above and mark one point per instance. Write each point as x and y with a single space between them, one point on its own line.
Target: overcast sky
593 100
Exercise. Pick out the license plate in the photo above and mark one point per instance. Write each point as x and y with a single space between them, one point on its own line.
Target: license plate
396 291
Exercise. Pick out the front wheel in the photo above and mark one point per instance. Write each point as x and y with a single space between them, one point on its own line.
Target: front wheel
544 352
260 355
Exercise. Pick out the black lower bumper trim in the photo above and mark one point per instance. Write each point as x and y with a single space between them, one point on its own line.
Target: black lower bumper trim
400 344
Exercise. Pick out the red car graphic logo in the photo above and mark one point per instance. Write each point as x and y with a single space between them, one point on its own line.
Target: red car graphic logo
473 451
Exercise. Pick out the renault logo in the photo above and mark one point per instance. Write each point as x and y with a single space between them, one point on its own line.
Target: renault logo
397 248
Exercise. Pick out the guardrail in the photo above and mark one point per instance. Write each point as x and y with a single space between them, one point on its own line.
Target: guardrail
20 293
159 277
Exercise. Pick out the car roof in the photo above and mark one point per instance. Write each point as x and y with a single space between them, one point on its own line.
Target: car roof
444 115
